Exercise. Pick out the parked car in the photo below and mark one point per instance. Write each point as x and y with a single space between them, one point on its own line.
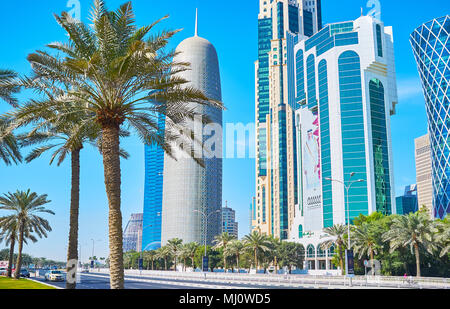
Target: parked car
54 275
85 270
3 271
24 273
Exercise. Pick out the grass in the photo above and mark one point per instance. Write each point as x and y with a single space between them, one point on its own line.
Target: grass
22 284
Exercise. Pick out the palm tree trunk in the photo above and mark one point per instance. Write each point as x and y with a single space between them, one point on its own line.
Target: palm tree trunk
111 164
237 262
416 253
72 249
19 255
11 256
341 260
193 264
256 260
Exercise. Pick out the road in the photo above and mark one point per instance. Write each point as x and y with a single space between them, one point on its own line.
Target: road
101 281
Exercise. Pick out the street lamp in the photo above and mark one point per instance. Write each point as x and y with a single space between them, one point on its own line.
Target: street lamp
347 188
205 216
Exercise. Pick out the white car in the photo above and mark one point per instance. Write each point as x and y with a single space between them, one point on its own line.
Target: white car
54 275
3 271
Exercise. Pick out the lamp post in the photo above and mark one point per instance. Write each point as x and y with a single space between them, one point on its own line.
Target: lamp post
205 216
347 188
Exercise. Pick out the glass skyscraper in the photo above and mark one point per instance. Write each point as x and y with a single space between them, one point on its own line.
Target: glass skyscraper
431 47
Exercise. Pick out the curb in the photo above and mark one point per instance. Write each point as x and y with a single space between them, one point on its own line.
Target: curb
53 286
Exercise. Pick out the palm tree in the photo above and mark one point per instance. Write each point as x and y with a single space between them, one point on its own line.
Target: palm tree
175 246
9 234
25 207
414 230
221 241
337 232
235 248
127 79
257 243
9 149
164 254
8 87
150 256
191 249
365 240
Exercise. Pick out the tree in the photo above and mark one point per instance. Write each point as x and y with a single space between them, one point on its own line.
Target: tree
257 243
25 207
175 245
414 230
366 238
337 232
291 254
443 237
9 149
127 79
163 253
191 248
8 87
150 256
235 248
221 241
9 234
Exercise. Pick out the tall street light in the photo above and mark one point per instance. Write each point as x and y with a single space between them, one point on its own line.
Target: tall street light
205 216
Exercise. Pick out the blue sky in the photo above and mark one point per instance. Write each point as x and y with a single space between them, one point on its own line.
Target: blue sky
232 27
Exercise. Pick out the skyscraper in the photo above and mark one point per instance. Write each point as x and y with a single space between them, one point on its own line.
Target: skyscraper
276 193
132 232
431 47
423 173
229 224
407 203
188 188
345 87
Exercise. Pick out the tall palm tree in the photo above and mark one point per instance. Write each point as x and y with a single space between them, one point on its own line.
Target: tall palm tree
414 230
257 243
235 248
164 254
9 235
337 232
175 245
443 237
127 79
221 241
25 207
8 86
191 249
150 257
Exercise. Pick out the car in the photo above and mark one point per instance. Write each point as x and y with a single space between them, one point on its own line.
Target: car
24 273
54 275
85 270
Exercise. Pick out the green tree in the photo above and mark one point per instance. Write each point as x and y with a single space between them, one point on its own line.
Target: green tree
175 245
291 254
9 148
25 207
127 78
191 249
221 242
8 86
164 254
366 239
337 232
257 243
414 230
443 237
235 248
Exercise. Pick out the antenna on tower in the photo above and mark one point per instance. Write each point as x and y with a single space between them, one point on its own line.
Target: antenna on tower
196 22
362 11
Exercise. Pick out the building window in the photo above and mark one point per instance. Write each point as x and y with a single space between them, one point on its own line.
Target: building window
379 41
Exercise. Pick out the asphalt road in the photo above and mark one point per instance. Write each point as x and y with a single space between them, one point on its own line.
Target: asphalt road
101 281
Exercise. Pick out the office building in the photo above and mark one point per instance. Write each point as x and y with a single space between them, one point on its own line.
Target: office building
229 224
276 193
346 92
132 234
188 188
423 173
431 47
407 203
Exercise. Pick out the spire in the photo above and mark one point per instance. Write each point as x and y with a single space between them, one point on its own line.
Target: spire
196 22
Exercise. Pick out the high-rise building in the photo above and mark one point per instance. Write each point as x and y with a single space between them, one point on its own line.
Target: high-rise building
190 190
407 203
229 224
423 173
153 194
276 194
132 233
345 88
431 47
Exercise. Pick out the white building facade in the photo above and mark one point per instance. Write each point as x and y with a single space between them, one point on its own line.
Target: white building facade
345 88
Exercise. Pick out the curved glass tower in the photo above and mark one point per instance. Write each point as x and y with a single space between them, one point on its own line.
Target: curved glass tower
188 188
431 48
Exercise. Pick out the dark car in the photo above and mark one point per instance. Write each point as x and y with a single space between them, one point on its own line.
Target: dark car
24 273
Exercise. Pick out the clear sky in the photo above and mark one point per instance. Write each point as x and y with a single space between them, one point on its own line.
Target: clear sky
231 26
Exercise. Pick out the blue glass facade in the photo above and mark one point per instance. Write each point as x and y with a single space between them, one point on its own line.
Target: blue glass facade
431 47
153 194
